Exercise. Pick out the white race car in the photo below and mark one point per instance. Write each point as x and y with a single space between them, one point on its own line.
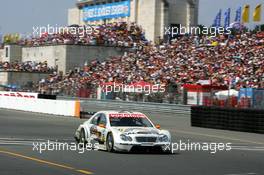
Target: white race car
123 131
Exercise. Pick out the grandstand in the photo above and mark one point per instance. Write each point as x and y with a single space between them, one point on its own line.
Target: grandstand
235 61
231 60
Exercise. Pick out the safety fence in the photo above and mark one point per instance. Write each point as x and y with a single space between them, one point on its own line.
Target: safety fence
92 105
204 95
247 120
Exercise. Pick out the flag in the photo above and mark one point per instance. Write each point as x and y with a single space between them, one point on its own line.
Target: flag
227 18
238 14
257 14
217 20
245 14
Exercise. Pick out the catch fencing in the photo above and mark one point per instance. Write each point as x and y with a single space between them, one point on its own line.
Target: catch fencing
92 105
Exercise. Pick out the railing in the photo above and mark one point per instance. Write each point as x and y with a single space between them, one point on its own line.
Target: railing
93 105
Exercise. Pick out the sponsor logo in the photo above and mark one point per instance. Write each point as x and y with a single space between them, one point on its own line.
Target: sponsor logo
17 94
127 115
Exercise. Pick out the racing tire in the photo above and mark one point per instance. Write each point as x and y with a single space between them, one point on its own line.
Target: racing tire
82 138
110 142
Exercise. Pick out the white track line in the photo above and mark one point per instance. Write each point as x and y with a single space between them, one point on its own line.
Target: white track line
243 174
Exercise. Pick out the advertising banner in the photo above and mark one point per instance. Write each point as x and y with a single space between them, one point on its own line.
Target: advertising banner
258 99
106 11
18 94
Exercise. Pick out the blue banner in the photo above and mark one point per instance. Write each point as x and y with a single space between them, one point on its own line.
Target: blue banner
227 18
106 11
238 14
217 20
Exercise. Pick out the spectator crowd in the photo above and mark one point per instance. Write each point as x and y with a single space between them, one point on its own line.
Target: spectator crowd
28 66
235 59
225 59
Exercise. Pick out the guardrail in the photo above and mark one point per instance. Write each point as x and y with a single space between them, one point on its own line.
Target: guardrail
92 105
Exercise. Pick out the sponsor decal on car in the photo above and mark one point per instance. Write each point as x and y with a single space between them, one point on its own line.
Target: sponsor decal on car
120 115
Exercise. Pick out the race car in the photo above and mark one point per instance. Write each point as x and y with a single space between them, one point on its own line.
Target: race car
123 131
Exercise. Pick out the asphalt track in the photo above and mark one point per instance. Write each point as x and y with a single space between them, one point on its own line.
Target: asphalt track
18 130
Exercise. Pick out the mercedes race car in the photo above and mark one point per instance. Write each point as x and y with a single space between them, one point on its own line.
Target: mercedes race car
123 131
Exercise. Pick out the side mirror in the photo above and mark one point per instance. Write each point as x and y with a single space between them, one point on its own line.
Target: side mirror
101 125
157 126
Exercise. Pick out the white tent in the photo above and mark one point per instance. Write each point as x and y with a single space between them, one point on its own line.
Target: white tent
226 93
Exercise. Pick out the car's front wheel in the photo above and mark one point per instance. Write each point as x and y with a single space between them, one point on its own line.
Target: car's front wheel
110 143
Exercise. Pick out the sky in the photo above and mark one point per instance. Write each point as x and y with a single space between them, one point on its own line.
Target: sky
19 16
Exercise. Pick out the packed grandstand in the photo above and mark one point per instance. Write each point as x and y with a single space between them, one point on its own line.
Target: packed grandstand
186 59
232 59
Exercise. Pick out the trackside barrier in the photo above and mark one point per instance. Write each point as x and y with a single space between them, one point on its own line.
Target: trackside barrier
88 106
46 106
77 109
246 120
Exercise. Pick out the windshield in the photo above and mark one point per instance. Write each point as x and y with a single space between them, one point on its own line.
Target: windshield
130 121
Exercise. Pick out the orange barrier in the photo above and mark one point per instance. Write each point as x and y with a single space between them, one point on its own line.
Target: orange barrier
77 112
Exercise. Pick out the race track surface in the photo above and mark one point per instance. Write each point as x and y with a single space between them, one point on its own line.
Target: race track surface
18 131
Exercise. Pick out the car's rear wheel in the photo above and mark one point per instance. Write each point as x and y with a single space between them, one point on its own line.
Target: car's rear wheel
110 143
82 139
